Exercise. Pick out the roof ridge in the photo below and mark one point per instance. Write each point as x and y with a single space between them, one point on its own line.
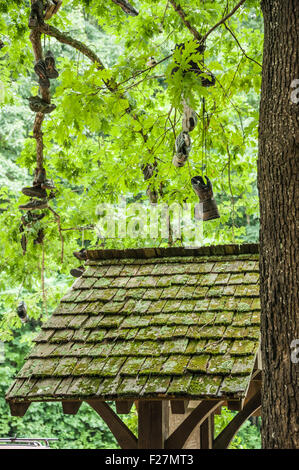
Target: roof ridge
169 252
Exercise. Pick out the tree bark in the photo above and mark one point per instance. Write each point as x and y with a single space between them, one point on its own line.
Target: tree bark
277 170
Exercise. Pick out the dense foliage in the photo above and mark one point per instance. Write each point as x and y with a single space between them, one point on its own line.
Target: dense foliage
94 151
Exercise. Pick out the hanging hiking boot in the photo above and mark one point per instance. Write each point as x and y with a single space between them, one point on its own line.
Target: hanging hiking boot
152 195
49 9
183 147
205 193
22 312
58 4
38 105
30 218
77 272
35 191
36 14
148 170
40 237
50 65
40 70
34 204
81 255
195 67
39 177
189 119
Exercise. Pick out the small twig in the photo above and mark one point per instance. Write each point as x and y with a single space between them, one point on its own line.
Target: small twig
164 15
237 41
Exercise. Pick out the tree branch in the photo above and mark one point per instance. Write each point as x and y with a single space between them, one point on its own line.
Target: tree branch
126 7
183 15
80 46
223 20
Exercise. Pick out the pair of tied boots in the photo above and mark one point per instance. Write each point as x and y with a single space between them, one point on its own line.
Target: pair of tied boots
38 192
46 70
183 141
206 197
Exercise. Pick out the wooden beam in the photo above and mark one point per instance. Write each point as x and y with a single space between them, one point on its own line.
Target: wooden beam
18 409
206 432
225 437
123 407
123 435
153 422
178 438
71 407
218 410
179 407
234 405
254 387
258 360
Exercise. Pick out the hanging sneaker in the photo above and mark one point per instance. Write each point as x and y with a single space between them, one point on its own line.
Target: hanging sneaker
183 147
40 70
151 62
34 204
22 312
205 193
35 191
38 105
189 119
52 72
148 170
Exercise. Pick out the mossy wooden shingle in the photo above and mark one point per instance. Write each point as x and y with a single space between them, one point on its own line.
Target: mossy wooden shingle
150 323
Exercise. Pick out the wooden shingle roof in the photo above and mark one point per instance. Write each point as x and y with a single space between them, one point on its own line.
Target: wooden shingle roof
156 323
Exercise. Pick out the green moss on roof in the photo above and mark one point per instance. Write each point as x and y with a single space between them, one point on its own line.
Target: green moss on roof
178 324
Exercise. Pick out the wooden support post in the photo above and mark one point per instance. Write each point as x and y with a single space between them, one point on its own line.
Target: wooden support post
206 432
123 406
120 431
153 419
178 438
225 437
71 407
18 409
179 407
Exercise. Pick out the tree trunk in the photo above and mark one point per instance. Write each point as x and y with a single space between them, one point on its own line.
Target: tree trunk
277 169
